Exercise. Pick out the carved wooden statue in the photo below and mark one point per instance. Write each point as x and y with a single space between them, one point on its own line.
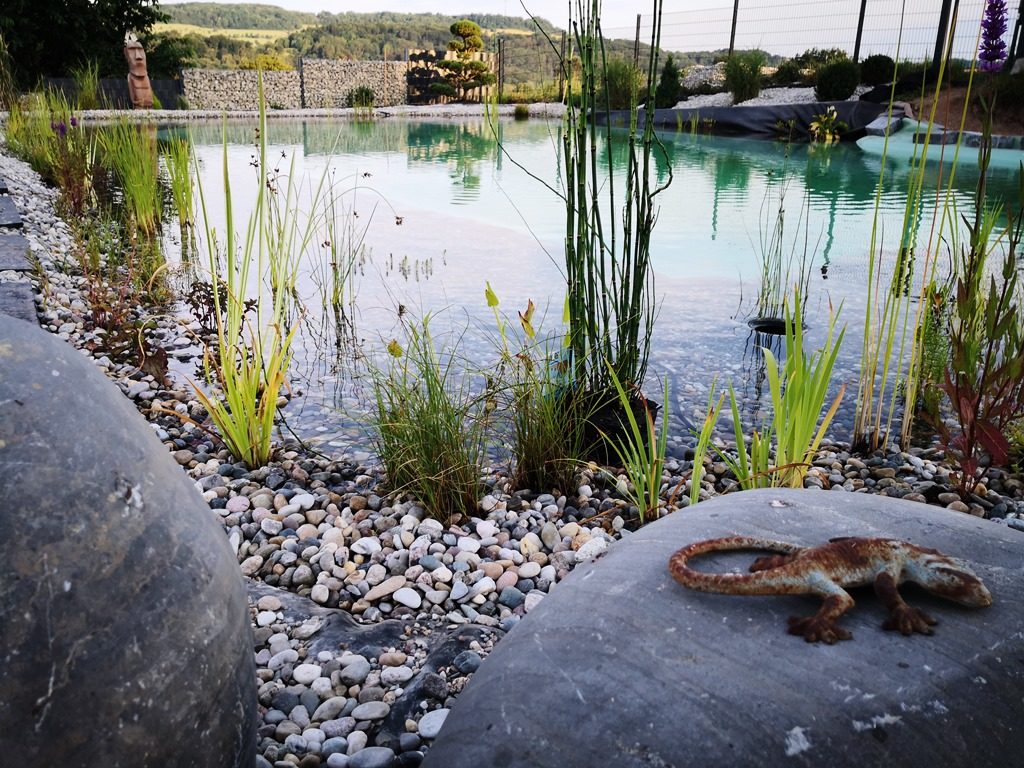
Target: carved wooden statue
140 91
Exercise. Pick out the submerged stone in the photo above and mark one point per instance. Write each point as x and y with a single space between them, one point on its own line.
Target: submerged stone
125 636
653 674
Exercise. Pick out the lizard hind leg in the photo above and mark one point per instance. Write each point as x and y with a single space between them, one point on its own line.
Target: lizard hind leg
823 626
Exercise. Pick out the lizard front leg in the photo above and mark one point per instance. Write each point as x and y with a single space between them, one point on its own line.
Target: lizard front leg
823 625
902 617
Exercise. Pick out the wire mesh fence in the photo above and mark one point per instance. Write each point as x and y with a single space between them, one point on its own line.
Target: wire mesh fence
904 29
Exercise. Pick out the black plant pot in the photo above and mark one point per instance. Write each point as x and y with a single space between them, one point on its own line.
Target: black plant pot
608 425
775 326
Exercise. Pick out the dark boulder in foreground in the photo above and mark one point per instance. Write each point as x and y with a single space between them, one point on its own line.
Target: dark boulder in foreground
125 638
622 666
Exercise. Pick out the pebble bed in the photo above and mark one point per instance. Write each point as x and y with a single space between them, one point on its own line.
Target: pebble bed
324 532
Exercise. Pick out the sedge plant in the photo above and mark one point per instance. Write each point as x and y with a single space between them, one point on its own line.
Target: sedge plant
429 425
130 151
544 419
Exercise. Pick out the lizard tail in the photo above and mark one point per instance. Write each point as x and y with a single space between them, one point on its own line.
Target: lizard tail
759 583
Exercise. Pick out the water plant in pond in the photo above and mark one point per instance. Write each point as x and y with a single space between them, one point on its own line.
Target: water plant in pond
641 450
544 418
87 85
130 151
704 436
798 391
827 127
178 159
429 423
248 366
607 262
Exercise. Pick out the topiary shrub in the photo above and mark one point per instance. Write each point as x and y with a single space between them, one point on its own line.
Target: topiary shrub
878 69
787 73
836 81
667 94
743 75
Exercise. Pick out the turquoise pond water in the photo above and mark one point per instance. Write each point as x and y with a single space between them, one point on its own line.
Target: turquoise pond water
471 212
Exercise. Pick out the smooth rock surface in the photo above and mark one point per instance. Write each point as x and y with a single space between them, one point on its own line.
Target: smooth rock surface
14 253
126 637
623 666
10 218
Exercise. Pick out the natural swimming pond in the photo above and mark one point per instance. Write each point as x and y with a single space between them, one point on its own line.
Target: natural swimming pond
476 204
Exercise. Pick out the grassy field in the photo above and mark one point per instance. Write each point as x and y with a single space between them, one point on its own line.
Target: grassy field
255 36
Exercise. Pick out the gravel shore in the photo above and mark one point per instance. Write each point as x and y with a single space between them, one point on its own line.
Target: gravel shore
320 541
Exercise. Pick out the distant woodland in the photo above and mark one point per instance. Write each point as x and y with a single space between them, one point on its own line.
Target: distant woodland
224 39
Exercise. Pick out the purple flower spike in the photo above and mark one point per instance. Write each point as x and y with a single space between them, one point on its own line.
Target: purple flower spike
992 52
62 130
74 122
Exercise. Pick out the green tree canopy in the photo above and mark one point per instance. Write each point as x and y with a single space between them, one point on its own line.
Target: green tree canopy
464 74
48 38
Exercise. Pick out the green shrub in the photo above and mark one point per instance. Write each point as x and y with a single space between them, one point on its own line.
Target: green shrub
836 81
360 98
521 112
667 94
816 58
787 73
743 75
620 86
878 69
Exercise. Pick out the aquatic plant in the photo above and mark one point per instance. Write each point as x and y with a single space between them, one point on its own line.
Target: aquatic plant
891 355
609 278
641 449
178 159
74 156
704 436
247 367
545 420
87 85
827 128
130 151
429 426
798 390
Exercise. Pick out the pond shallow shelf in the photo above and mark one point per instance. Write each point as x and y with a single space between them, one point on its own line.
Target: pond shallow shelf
622 666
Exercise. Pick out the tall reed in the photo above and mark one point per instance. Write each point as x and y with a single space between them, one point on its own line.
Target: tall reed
178 158
896 312
130 151
87 85
249 362
607 249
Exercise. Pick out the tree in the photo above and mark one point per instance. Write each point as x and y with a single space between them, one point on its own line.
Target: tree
463 74
49 38
667 94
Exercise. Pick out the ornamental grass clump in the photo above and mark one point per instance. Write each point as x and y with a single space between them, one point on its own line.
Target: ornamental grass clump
743 75
130 151
430 424
543 419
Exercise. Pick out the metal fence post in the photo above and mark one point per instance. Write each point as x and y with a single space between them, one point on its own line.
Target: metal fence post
940 35
732 33
860 30
1016 48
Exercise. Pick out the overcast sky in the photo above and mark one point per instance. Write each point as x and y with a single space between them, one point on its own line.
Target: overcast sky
780 26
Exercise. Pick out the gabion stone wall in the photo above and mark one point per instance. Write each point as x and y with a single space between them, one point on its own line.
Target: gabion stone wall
328 82
238 89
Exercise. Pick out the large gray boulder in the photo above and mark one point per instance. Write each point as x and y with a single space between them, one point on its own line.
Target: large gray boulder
125 638
622 666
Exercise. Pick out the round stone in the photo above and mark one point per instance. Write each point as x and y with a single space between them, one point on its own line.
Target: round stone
306 673
126 622
430 723
408 596
371 710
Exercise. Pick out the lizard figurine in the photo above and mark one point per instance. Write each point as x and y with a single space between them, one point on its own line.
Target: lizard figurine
828 569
